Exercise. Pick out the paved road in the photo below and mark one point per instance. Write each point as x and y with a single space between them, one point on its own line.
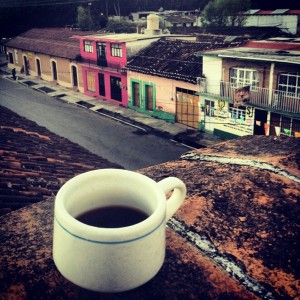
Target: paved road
119 143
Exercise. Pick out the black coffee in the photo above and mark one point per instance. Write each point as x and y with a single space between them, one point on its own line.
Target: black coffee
112 216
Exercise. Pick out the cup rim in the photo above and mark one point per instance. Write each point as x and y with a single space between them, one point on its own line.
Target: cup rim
109 235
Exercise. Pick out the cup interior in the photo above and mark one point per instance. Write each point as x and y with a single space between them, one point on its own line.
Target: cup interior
103 188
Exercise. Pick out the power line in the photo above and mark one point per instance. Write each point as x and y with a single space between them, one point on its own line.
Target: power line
31 3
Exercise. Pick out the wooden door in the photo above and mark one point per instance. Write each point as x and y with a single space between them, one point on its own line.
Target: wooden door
136 94
149 97
187 109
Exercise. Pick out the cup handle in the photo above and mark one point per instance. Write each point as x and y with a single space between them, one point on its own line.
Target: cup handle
176 199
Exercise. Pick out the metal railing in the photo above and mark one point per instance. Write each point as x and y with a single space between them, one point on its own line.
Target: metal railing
263 97
101 64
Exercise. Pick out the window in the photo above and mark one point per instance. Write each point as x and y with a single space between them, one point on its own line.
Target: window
209 108
290 83
88 46
240 77
116 50
185 91
284 125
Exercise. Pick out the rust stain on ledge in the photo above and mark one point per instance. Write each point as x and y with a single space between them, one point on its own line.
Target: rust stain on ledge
235 237
244 204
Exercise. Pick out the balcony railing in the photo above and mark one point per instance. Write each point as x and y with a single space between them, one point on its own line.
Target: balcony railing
102 64
263 97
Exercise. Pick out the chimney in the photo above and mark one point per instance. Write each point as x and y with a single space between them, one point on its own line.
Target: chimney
153 25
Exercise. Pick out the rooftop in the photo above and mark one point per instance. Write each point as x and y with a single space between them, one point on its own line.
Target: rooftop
34 162
253 32
180 18
51 41
235 237
185 66
283 11
121 37
264 51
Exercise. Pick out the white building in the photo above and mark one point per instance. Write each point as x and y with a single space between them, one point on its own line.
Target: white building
286 19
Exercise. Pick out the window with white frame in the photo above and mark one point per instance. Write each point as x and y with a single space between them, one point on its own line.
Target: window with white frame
290 83
116 50
88 46
240 77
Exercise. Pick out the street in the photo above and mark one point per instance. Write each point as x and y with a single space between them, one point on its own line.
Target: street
117 142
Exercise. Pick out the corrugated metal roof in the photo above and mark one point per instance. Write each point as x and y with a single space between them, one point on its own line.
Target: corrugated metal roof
264 12
252 11
294 12
180 19
279 11
258 54
282 11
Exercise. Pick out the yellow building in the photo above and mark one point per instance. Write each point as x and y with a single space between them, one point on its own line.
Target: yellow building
50 54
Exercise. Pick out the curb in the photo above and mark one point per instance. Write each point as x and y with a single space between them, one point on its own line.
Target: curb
182 137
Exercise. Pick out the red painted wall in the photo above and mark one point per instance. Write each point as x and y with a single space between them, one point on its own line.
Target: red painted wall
114 69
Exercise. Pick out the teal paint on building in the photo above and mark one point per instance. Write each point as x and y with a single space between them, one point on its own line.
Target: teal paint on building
141 101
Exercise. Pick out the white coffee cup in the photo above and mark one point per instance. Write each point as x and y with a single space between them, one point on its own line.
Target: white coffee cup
113 259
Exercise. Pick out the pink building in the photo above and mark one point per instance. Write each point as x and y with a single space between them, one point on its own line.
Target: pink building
102 60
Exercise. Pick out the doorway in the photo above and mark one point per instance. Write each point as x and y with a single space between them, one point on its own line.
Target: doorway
209 112
54 70
74 76
10 58
115 88
187 109
26 65
38 67
260 118
149 97
136 94
101 80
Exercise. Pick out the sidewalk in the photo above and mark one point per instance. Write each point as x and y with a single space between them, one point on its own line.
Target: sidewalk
178 132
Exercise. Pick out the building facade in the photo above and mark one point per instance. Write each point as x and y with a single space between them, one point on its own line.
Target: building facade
103 58
164 98
163 79
206 82
252 90
286 19
50 54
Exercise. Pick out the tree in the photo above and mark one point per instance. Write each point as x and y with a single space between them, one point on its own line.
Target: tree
220 13
84 20
121 27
